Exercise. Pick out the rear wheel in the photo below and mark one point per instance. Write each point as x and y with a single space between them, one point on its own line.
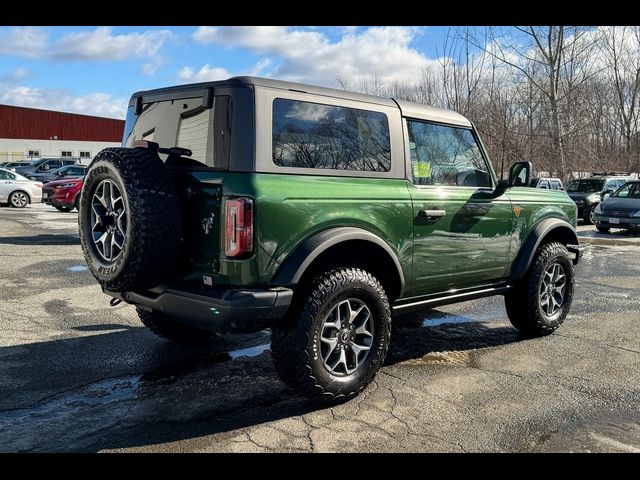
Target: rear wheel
18 199
169 329
541 302
336 341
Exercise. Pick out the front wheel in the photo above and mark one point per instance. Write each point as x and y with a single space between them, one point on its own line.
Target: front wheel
334 345
541 302
588 215
18 199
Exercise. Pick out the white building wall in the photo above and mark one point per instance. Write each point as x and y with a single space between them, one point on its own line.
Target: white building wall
17 149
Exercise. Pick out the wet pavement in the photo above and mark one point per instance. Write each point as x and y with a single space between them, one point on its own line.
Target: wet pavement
78 375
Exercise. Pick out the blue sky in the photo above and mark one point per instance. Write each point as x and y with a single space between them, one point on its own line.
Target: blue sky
94 70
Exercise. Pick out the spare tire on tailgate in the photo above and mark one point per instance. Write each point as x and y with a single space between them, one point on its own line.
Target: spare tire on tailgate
129 219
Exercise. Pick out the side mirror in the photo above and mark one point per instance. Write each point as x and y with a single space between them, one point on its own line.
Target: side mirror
606 195
520 174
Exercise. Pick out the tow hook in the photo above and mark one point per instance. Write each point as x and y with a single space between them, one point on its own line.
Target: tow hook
115 301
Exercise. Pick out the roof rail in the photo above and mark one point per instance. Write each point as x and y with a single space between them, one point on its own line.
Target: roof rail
602 174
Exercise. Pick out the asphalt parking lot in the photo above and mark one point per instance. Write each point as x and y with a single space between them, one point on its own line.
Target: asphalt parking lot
79 375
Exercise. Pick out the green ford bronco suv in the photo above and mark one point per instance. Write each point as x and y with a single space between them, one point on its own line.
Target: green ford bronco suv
248 203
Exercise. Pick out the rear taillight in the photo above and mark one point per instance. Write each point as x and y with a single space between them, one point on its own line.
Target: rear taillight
39 185
238 213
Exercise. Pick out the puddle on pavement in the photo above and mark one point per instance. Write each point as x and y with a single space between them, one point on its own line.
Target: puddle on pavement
250 352
98 393
78 268
120 389
452 318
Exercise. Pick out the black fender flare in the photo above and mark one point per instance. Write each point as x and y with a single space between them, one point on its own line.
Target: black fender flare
294 266
563 229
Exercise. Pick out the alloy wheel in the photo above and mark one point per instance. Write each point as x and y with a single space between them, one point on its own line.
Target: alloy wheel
552 289
19 199
108 221
346 337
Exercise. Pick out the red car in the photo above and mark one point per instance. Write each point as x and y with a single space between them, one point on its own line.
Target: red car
63 194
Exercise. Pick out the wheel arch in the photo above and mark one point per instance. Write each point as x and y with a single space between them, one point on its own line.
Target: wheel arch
546 231
343 246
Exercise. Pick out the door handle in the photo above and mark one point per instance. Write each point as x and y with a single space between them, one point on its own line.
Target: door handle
432 214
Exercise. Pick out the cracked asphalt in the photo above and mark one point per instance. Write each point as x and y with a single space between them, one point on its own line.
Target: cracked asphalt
78 375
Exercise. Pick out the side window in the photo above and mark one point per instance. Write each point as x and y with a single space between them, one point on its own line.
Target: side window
555 185
53 164
3 175
446 155
544 184
624 191
314 135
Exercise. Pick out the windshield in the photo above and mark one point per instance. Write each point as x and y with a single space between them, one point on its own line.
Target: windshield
585 186
630 190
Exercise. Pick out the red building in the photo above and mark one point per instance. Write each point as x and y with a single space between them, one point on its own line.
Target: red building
35 133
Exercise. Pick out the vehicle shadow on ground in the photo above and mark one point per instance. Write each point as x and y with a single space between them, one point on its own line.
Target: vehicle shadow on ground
185 393
43 239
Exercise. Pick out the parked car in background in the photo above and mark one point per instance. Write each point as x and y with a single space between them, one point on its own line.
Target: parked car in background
547 183
64 195
587 193
620 209
18 191
68 171
13 165
44 165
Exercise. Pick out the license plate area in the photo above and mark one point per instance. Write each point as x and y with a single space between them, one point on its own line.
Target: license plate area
614 221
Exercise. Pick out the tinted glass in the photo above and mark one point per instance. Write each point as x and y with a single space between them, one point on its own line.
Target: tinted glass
630 190
585 186
555 185
313 135
544 184
445 155
185 123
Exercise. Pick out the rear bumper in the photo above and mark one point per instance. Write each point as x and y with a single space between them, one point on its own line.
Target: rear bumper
220 310
602 220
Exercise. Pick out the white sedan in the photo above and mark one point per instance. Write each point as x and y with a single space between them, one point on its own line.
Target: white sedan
18 191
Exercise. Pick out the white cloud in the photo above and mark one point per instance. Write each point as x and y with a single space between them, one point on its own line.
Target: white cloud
310 56
100 44
205 74
27 42
100 104
14 76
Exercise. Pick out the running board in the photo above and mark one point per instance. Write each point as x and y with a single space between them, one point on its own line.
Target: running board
450 297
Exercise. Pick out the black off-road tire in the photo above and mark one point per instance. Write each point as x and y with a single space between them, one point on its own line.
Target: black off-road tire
603 229
153 222
63 209
523 303
169 329
295 344
76 203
